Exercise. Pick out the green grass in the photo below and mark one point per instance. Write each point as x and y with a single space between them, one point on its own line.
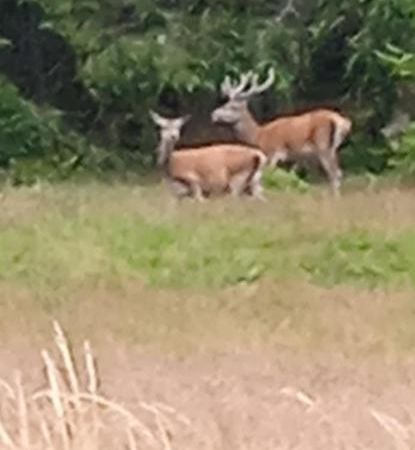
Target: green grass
71 236
363 257
125 260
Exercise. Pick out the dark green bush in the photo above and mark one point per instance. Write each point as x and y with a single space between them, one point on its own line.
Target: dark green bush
24 132
35 143
403 159
133 55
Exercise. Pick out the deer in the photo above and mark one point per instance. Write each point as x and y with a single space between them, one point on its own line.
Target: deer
209 170
299 138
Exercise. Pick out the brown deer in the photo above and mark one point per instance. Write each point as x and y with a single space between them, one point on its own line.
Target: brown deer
214 169
301 138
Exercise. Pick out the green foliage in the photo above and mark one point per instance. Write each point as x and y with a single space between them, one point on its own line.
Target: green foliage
362 257
403 159
23 132
367 155
130 54
385 24
359 50
401 64
281 180
35 143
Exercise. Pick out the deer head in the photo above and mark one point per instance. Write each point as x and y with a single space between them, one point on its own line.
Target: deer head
170 131
238 94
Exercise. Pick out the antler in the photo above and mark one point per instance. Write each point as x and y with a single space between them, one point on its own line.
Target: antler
258 88
231 90
237 91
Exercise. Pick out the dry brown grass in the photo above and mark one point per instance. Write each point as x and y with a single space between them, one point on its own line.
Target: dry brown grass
234 400
389 205
298 318
67 415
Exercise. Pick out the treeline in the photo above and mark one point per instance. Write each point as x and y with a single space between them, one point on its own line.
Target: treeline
77 77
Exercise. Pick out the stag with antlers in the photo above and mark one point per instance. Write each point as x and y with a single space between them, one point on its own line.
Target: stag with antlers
315 135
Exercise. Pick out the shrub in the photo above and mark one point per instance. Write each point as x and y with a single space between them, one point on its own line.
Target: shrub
281 180
131 56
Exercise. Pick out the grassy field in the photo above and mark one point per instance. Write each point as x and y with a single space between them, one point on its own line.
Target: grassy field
241 298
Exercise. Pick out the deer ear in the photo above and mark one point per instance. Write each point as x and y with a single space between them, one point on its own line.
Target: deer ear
185 119
157 119
180 121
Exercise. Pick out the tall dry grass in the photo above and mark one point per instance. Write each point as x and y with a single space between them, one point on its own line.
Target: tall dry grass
71 412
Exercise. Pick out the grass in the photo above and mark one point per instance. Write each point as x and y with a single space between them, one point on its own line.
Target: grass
64 236
72 414
359 256
71 411
171 268
233 298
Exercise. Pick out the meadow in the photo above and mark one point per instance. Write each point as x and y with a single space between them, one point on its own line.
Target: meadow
288 324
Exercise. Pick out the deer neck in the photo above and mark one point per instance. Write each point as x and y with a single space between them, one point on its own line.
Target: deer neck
165 149
247 129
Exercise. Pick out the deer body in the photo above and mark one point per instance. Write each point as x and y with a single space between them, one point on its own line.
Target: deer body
299 138
211 170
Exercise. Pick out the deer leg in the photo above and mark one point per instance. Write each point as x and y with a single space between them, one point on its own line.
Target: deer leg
278 156
180 188
197 192
255 187
247 184
183 187
239 186
257 191
235 187
334 174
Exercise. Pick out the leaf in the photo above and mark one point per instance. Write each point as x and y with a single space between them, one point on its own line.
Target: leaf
46 26
91 6
394 49
5 43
